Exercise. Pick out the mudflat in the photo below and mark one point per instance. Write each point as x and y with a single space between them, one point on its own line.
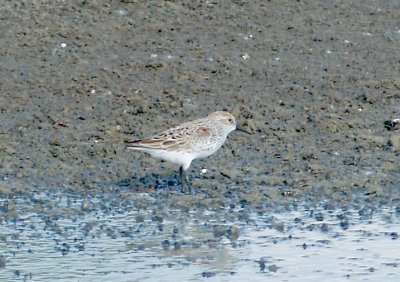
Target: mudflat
313 82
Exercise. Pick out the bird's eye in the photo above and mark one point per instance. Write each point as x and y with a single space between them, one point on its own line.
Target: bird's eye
230 120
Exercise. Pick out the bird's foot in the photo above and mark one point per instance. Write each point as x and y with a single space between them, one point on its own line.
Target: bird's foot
186 187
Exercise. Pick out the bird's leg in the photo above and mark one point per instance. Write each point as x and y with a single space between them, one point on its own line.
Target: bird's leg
185 185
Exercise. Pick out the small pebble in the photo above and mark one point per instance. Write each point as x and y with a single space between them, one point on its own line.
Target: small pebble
165 245
2 261
261 263
85 205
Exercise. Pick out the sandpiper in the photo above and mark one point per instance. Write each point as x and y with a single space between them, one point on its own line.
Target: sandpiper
188 141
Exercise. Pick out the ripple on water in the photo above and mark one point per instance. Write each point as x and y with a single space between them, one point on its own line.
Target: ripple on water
126 244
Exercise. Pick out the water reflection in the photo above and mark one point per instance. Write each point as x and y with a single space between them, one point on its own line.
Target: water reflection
138 245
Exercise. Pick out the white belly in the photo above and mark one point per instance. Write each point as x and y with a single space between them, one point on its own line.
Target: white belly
174 157
183 159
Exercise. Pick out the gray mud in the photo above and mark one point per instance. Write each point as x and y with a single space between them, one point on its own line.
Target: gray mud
313 81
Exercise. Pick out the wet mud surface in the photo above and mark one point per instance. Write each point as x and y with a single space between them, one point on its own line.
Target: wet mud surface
313 81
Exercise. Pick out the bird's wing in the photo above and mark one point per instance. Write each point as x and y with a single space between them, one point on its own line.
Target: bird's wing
181 136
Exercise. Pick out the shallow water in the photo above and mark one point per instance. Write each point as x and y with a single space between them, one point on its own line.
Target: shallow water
125 244
313 81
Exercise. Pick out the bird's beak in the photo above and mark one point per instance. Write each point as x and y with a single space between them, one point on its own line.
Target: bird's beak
242 130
